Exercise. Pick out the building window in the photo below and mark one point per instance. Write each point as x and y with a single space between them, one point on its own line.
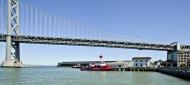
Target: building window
119 66
136 64
141 65
146 60
141 60
136 60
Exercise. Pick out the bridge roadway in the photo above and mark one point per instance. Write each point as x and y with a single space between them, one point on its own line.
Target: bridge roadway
96 43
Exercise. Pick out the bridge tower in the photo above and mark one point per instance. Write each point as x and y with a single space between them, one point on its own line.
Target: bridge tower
12 58
178 57
172 56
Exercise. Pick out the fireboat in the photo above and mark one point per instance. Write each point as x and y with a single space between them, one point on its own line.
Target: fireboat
102 66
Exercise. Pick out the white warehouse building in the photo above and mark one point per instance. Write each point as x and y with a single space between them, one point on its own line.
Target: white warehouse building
141 61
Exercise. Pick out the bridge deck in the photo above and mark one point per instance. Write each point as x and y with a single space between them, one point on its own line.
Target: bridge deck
96 43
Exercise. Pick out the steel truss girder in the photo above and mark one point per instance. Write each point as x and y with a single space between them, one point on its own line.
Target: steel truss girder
98 43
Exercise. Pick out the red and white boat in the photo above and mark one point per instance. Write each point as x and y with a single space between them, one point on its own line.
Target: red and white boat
98 67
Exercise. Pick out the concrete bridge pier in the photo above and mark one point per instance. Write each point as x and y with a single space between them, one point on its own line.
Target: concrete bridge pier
12 58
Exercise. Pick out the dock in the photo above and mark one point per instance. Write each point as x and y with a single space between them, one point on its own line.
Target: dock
135 69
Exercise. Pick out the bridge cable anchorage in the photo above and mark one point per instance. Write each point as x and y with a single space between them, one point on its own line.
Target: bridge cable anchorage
51 25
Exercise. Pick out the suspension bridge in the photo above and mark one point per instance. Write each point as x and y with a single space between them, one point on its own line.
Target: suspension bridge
23 23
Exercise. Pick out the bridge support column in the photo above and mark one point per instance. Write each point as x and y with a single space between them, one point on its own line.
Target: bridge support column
12 58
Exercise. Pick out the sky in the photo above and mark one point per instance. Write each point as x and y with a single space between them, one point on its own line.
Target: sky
150 20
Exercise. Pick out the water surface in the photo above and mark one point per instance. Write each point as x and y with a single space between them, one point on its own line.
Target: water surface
69 76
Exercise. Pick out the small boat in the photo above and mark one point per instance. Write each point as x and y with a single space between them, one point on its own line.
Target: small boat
76 66
97 67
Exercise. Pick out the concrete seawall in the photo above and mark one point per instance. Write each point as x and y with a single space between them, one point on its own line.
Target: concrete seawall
135 69
177 72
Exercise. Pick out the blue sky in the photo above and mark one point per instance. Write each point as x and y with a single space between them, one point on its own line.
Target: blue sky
152 20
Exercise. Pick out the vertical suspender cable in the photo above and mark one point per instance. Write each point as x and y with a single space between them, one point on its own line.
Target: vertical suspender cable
2 24
31 21
45 24
36 22
50 24
27 21
41 24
